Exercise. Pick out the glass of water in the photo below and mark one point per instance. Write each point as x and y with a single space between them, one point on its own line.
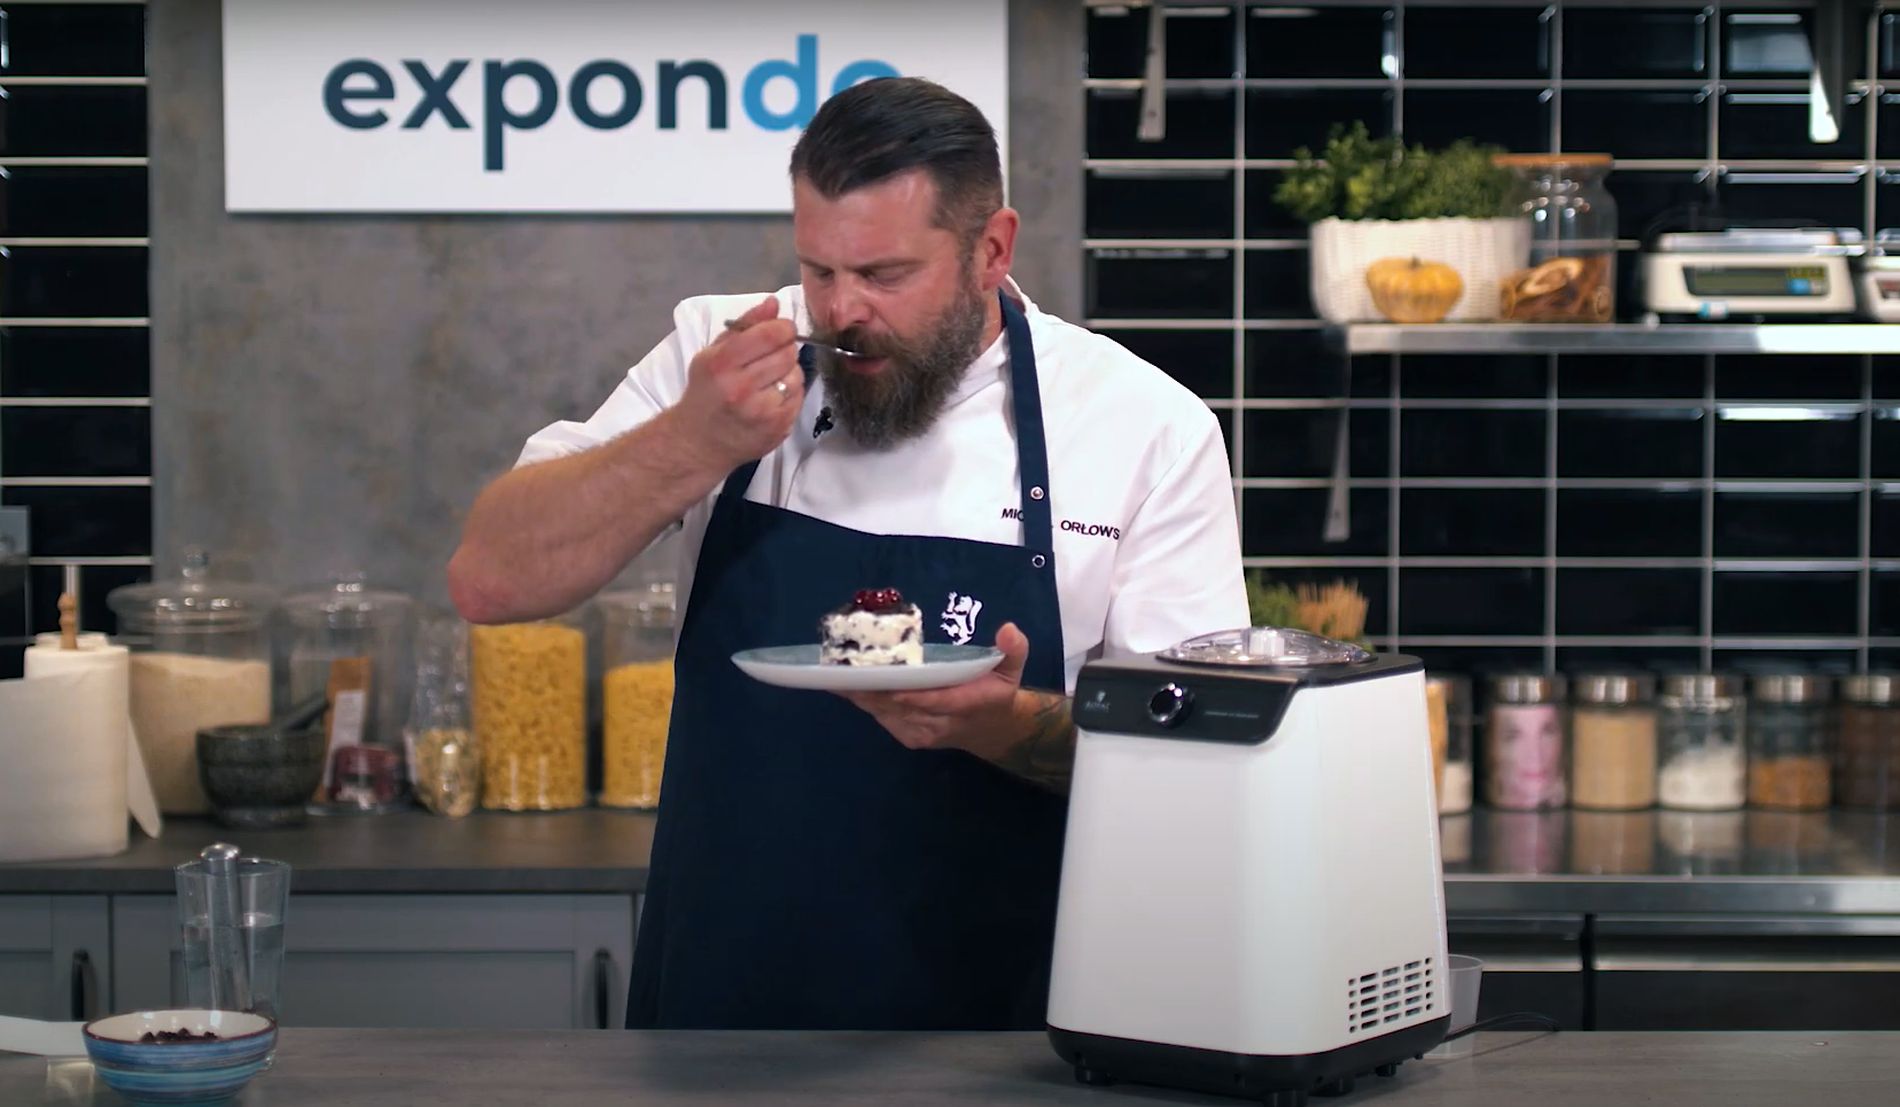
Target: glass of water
233 968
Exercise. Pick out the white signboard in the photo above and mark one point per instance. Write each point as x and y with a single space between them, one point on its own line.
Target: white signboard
565 105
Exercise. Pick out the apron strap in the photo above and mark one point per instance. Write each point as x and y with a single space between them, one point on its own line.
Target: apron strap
1032 452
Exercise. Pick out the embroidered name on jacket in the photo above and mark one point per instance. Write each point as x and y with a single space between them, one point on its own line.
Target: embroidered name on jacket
1090 530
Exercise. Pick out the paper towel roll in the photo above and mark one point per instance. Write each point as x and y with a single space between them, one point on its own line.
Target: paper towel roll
63 740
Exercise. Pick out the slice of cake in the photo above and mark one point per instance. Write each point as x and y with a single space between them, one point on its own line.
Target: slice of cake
876 628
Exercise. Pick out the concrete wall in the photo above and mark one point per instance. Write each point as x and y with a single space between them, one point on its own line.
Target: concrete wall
331 391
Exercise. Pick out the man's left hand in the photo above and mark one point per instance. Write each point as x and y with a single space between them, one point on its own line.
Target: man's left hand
978 716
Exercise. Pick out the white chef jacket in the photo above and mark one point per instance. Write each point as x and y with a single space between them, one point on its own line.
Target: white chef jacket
1147 549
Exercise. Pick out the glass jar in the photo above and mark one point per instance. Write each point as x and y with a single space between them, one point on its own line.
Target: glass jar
1572 273
1613 742
1448 718
1867 752
636 693
528 697
1524 743
444 758
200 657
355 644
1789 755
1704 765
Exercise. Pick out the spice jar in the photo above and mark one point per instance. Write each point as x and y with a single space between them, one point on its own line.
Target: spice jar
1788 750
1867 754
528 696
1524 743
444 758
1704 765
637 693
200 658
1448 718
1572 273
1613 742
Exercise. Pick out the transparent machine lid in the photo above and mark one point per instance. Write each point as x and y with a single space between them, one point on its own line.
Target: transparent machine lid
1265 647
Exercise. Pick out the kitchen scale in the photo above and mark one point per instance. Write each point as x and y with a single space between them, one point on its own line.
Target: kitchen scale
1752 272
1252 899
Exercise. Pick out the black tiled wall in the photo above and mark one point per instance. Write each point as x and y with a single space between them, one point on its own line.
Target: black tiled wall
1509 510
75 408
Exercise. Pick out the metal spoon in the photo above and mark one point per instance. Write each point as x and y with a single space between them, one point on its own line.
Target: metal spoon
733 325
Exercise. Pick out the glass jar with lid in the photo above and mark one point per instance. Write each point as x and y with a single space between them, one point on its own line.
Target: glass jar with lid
1789 755
1525 743
1613 742
1867 749
1703 762
528 700
354 643
200 657
1448 716
636 692
1572 273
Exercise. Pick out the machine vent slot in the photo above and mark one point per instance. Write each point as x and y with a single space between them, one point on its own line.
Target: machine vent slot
1375 1000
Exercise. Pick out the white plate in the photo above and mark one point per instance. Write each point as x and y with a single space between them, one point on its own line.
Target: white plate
798 667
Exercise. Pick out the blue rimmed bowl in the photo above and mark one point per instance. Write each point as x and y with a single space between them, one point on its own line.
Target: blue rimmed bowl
199 1074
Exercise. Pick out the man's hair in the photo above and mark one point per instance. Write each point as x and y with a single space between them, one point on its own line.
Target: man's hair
889 125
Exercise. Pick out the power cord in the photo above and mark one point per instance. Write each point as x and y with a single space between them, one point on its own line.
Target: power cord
1543 1021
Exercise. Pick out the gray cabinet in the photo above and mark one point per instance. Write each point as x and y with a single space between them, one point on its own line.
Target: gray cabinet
448 961
55 957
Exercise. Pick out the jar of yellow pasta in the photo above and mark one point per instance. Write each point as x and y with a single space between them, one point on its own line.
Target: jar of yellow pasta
528 697
636 693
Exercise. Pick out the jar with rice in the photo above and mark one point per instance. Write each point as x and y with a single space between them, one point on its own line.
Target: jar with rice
200 657
636 693
528 701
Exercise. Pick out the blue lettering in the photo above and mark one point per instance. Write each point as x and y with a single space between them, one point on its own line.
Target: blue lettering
804 76
496 115
672 73
583 107
435 95
336 98
861 71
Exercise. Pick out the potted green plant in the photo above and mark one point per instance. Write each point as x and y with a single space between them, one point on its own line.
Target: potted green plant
1370 200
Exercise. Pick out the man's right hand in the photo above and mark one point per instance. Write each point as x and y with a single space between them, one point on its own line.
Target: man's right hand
743 392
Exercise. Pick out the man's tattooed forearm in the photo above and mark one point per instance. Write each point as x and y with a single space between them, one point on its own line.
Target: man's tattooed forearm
1046 755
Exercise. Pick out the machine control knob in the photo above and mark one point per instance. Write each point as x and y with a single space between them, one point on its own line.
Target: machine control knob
1170 705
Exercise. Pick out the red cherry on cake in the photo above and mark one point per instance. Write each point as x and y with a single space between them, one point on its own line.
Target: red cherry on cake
878 600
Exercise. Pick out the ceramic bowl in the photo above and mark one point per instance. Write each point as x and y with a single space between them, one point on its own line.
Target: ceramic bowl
176 1073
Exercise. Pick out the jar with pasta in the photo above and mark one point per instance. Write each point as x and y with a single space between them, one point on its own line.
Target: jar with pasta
636 693
1448 719
528 694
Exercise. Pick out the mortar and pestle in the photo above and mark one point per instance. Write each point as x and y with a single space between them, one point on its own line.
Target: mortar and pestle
260 775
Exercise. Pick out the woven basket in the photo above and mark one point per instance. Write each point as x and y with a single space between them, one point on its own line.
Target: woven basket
1483 251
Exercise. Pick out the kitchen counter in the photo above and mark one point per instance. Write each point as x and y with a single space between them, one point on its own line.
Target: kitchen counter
369 1068
1495 862
568 852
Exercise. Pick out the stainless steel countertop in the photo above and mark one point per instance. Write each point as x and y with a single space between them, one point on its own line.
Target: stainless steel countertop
1495 862
412 1068
1648 862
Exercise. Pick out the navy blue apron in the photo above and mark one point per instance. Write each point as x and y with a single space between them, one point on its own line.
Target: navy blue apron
809 872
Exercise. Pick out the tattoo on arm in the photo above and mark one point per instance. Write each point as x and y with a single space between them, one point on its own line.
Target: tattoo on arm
1046 755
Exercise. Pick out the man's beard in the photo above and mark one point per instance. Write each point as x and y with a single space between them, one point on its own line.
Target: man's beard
903 399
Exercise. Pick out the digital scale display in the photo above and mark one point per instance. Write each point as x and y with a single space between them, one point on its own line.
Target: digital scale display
1756 280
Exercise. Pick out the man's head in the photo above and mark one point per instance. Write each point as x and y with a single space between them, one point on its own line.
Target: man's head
902 238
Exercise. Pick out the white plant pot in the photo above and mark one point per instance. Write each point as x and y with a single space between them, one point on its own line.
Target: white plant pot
1483 251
